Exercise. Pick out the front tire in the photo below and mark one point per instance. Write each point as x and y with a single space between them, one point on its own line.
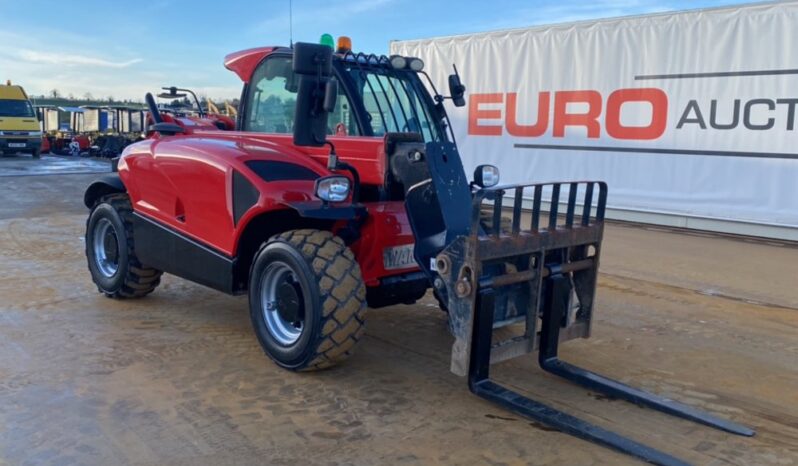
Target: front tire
110 251
307 299
37 153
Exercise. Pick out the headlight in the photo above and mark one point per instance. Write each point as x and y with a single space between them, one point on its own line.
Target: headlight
416 64
486 176
332 188
35 133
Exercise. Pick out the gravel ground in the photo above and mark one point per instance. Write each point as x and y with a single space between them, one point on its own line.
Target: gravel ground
178 378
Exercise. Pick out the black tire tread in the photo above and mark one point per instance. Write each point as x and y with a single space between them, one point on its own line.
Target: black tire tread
140 280
343 294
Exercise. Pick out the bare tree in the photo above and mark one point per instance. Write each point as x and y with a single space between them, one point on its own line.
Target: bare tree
55 93
88 96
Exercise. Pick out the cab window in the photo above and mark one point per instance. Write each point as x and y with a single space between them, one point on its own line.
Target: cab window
272 102
16 108
394 101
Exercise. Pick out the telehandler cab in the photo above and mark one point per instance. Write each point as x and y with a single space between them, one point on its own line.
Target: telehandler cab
342 187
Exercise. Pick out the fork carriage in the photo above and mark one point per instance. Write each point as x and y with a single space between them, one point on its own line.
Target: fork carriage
538 273
522 269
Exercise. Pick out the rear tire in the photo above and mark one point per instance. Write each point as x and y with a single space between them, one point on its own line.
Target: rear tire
111 253
307 299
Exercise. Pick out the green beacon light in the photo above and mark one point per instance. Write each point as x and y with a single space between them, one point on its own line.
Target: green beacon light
327 40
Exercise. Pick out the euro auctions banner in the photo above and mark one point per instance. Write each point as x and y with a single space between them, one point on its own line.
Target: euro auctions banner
691 114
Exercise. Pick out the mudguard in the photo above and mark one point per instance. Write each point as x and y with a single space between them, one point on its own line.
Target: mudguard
106 184
325 211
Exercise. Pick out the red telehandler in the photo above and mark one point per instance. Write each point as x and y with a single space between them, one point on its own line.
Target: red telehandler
341 188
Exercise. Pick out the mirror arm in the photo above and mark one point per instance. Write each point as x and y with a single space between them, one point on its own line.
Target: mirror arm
332 160
196 99
333 163
355 179
174 90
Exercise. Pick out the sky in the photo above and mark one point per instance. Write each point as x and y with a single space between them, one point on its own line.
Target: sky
124 49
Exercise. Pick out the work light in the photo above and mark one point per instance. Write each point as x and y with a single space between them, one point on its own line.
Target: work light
332 188
398 62
486 176
416 64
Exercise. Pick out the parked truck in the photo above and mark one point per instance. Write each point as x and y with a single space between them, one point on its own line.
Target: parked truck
19 126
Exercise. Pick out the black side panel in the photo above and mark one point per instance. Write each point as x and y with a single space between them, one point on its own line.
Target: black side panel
437 197
276 171
396 146
101 186
163 248
245 195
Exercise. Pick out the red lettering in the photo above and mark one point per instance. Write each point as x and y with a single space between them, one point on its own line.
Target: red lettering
659 114
475 114
530 131
588 119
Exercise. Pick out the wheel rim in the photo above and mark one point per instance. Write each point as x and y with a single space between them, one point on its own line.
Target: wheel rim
282 301
106 248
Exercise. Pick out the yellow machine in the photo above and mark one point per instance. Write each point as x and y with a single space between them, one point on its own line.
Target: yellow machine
19 126
231 111
212 108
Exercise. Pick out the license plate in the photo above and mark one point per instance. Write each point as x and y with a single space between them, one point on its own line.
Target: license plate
398 257
16 144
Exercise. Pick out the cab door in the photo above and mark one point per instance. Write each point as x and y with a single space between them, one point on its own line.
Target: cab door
270 100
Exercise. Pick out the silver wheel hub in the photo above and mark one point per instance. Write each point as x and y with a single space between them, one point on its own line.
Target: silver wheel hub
282 301
105 245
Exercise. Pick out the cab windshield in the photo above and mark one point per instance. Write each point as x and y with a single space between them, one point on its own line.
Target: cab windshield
16 108
373 99
395 100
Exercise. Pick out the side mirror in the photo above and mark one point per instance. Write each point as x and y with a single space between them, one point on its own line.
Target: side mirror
316 95
457 90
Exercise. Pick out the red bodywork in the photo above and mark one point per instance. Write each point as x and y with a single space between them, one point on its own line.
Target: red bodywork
185 181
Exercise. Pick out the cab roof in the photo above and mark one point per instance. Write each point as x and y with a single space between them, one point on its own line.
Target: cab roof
243 63
12 92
